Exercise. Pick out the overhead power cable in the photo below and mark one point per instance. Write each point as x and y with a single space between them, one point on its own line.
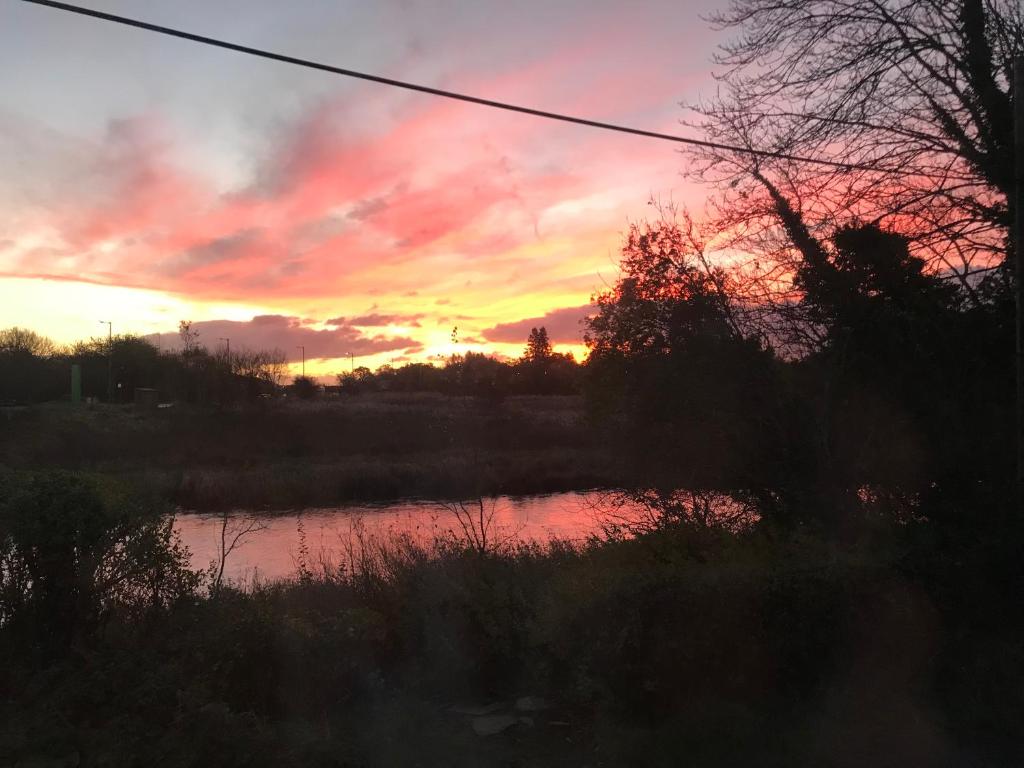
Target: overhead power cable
309 64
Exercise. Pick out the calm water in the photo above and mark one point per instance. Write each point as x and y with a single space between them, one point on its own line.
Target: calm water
271 553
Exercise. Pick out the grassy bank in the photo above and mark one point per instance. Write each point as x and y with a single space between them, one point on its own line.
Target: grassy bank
727 651
293 454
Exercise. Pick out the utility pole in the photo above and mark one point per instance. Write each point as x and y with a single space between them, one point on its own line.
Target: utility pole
303 360
110 359
227 350
1018 254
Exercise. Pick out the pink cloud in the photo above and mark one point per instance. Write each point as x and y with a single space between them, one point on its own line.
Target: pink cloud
287 333
377 319
337 197
563 326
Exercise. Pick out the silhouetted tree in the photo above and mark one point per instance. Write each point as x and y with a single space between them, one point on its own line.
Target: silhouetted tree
919 92
15 341
304 388
357 381
418 377
261 371
30 369
189 337
908 383
689 398
538 345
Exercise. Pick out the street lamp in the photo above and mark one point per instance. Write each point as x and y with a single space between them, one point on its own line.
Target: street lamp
227 350
110 353
303 360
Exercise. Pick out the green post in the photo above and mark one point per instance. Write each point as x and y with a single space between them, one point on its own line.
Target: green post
76 383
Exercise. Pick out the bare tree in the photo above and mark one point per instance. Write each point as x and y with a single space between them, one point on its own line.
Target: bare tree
914 95
268 365
476 521
189 337
21 340
645 510
234 530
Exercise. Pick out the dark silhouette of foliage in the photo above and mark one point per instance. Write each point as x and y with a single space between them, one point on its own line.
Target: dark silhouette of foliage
688 396
874 419
33 369
304 388
918 91
538 345
30 368
74 553
474 374
21 341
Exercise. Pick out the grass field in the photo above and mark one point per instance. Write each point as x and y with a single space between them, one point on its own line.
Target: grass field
293 454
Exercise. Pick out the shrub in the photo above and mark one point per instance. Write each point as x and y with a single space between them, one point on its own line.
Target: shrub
74 553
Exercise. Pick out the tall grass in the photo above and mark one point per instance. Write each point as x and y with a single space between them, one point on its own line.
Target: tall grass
371 447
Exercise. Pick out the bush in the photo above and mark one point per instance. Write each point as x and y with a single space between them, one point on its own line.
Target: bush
305 388
74 553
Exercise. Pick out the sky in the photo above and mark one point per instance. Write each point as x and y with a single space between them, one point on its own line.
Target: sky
146 180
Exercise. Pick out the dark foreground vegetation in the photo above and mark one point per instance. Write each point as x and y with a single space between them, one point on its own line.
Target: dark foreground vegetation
898 648
838 584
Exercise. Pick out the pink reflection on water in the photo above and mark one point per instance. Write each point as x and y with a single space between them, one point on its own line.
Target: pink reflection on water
271 553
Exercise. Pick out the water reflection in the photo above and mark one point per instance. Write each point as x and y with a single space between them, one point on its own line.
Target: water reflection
272 551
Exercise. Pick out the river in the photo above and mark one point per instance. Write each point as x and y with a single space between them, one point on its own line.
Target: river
272 550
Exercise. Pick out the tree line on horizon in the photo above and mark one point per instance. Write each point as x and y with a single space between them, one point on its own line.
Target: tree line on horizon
538 371
34 369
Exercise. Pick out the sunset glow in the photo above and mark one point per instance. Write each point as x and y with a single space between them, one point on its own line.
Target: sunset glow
148 181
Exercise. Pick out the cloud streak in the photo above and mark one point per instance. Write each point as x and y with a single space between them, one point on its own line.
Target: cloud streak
288 333
377 320
564 326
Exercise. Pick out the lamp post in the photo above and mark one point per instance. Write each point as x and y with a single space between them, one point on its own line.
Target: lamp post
227 348
351 363
303 360
110 358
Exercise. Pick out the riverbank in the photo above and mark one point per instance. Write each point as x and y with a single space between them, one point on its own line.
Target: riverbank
686 646
373 447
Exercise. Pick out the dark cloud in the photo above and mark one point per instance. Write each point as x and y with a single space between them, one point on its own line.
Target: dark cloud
286 333
316 231
364 209
215 251
377 319
563 326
